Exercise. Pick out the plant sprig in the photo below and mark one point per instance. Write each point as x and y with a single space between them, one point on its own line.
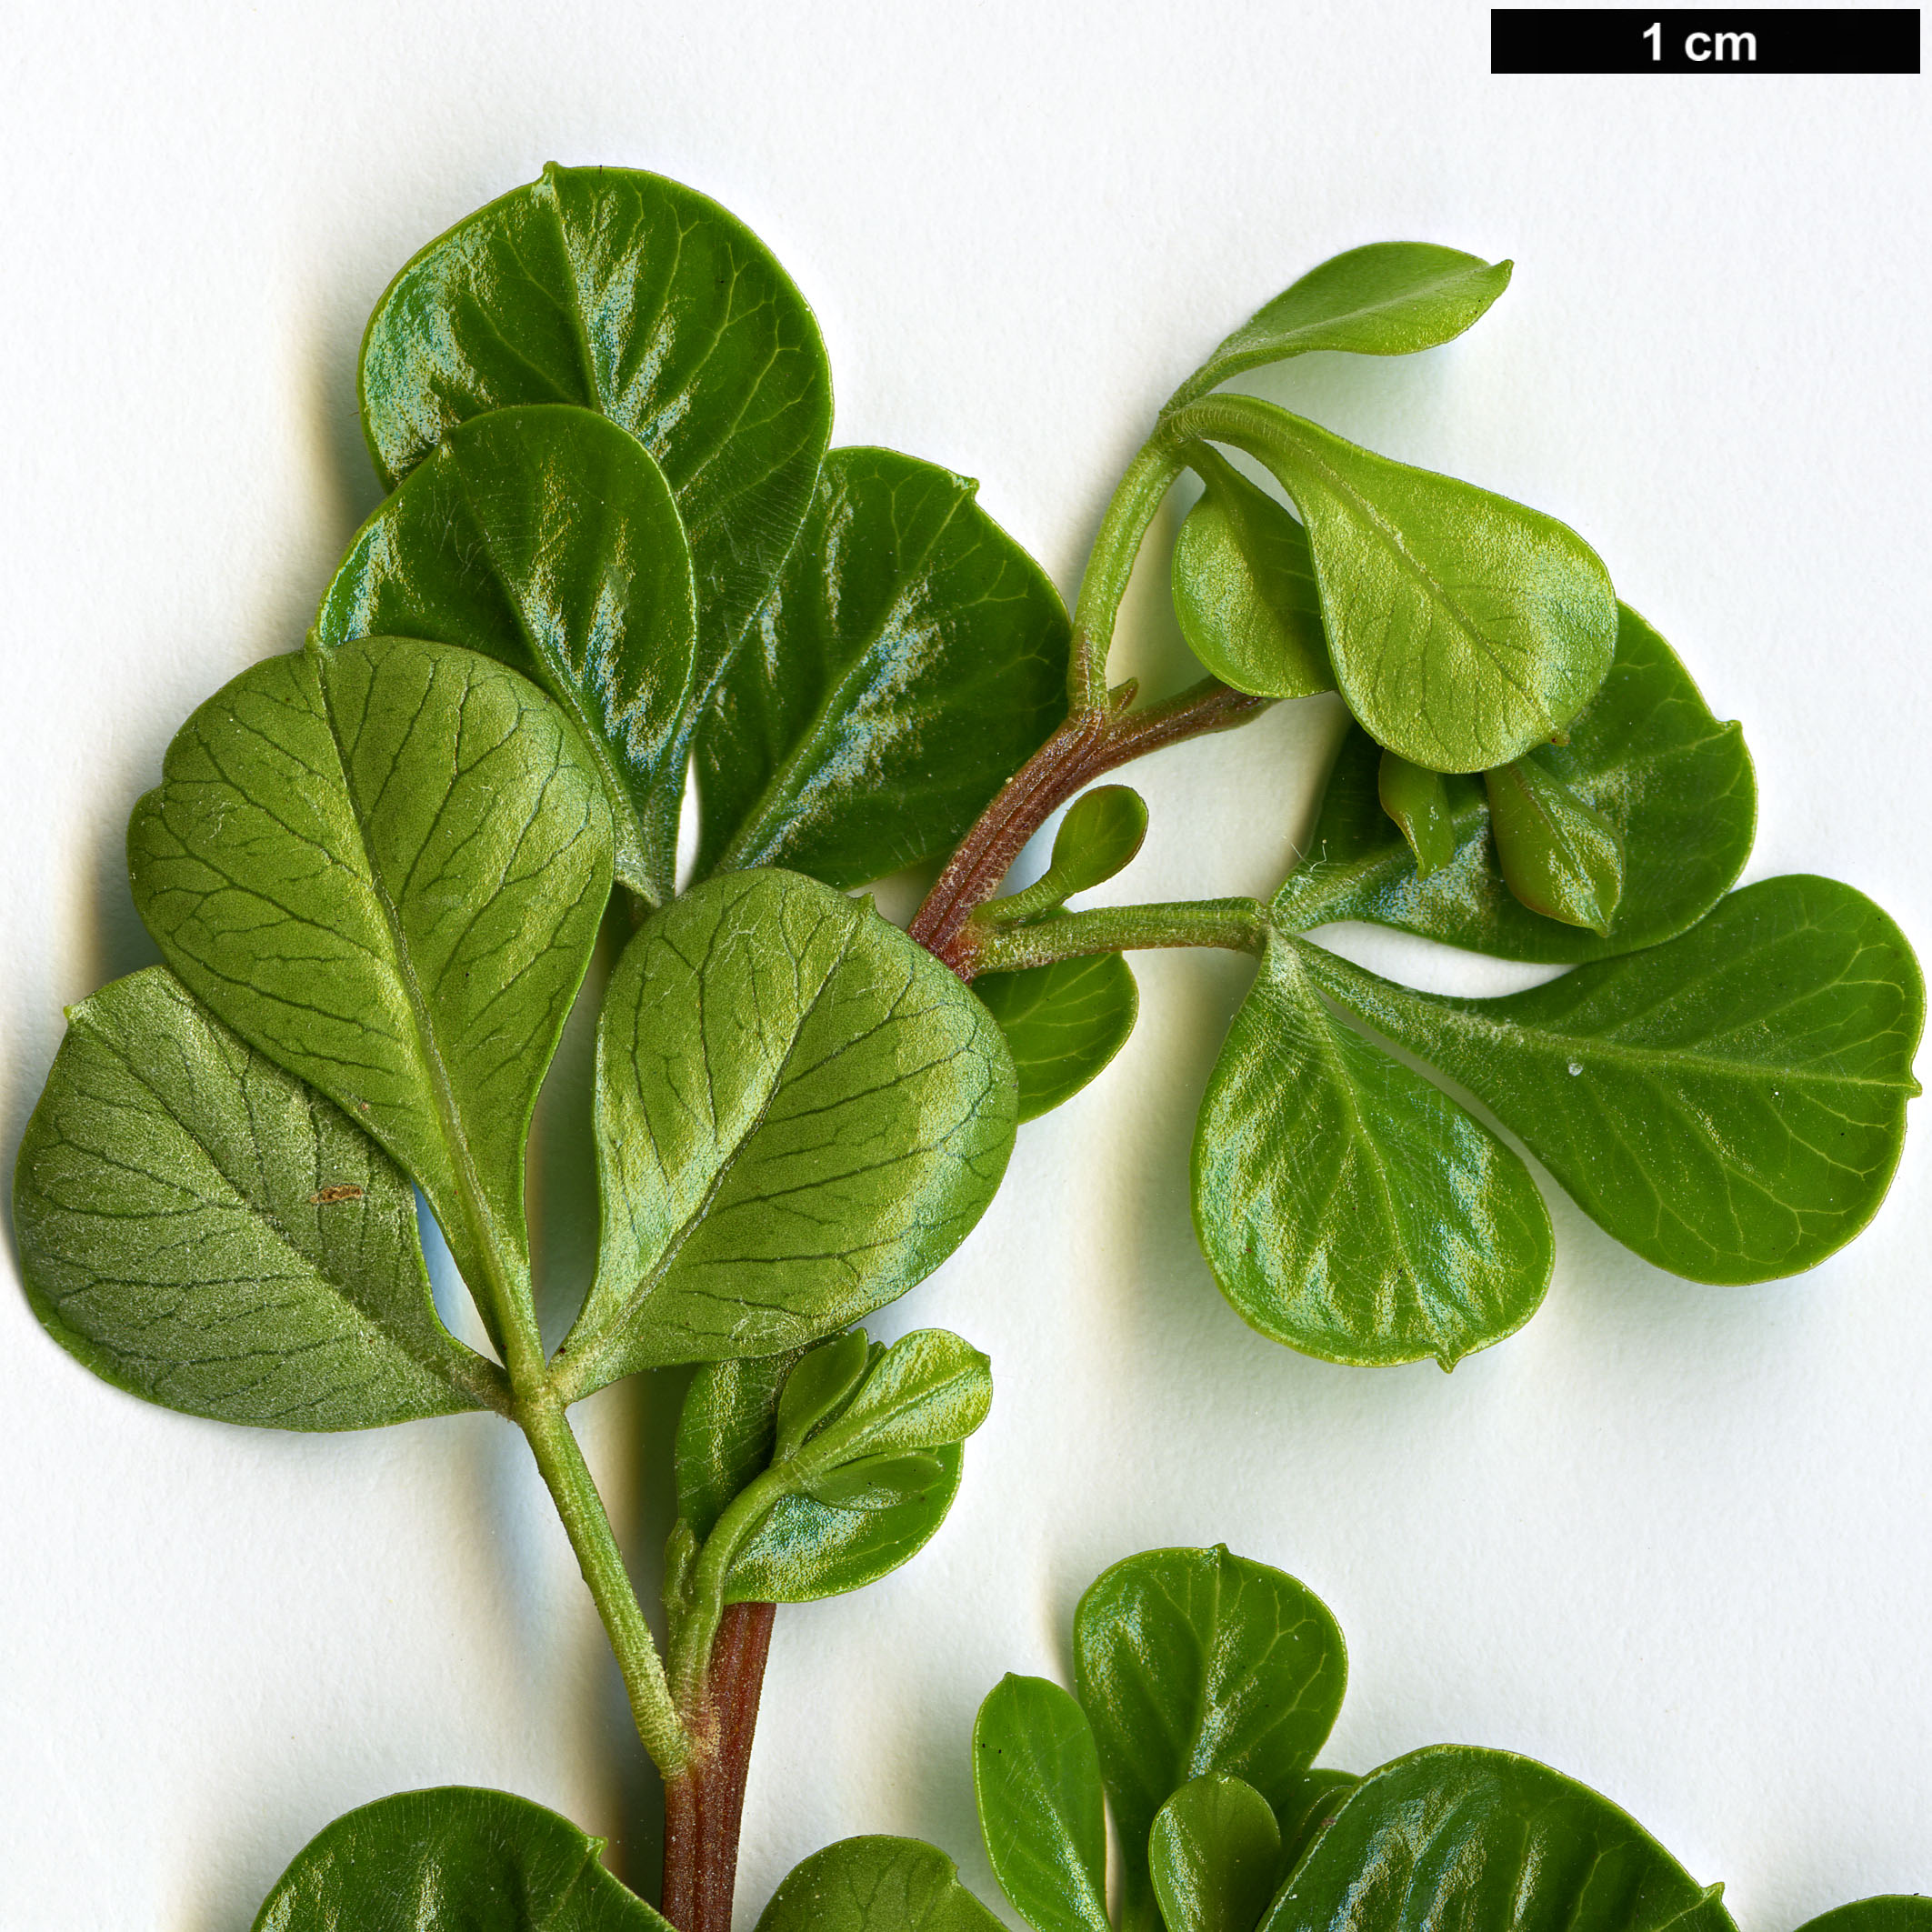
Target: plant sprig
619 550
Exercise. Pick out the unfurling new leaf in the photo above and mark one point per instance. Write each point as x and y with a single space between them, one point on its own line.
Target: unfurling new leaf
1561 858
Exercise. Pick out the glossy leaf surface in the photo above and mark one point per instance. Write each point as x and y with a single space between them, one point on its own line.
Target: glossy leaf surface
1645 754
910 658
384 865
1464 628
547 538
806 1550
800 1113
628 293
1100 837
876 1885
1036 1779
1214 1856
1062 1023
1731 1103
1456 1837
204 1231
1244 588
1894 1912
1347 1205
1388 298
1309 1810
1191 1661
451 1860
1560 857
1418 803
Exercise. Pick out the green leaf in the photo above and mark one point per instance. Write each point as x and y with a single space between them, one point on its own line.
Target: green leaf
546 538
1464 628
877 1482
800 1114
1561 858
1389 298
876 1885
384 865
806 1550
1348 1207
1309 1810
818 1387
1191 1661
1456 1837
628 294
1037 1781
451 1860
1214 1856
1244 588
1894 1912
1098 837
1062 1023
911 656
1417 801
929 1388
1731 1103
1645 754
726 1431
206 1232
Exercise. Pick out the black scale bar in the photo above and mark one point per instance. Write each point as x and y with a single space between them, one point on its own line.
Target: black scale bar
1684 40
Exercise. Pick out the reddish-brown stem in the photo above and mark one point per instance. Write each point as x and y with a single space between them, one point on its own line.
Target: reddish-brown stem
704 1808
1088 744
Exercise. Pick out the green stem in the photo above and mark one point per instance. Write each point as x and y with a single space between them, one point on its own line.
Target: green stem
1124 523
697 1630
541 1419
1238 925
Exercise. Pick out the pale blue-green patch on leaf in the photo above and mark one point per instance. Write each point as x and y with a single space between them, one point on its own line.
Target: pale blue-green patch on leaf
800 1114
1347 1205
453 1860
876 1885
1456 1837
1464 628
1062 1023
1042 1812
546 537
384 865
1730 1103
1645 752
206 1231
1192 1661
1215 1855
910 658
628 293
1387 299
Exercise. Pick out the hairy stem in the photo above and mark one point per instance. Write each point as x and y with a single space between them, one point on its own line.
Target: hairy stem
1124 523
1238 925
703 1807
1080 751
544 1426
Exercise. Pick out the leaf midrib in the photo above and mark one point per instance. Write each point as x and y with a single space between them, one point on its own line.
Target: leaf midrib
463 1169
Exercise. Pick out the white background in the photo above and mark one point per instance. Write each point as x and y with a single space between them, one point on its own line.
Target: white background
1676 1540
